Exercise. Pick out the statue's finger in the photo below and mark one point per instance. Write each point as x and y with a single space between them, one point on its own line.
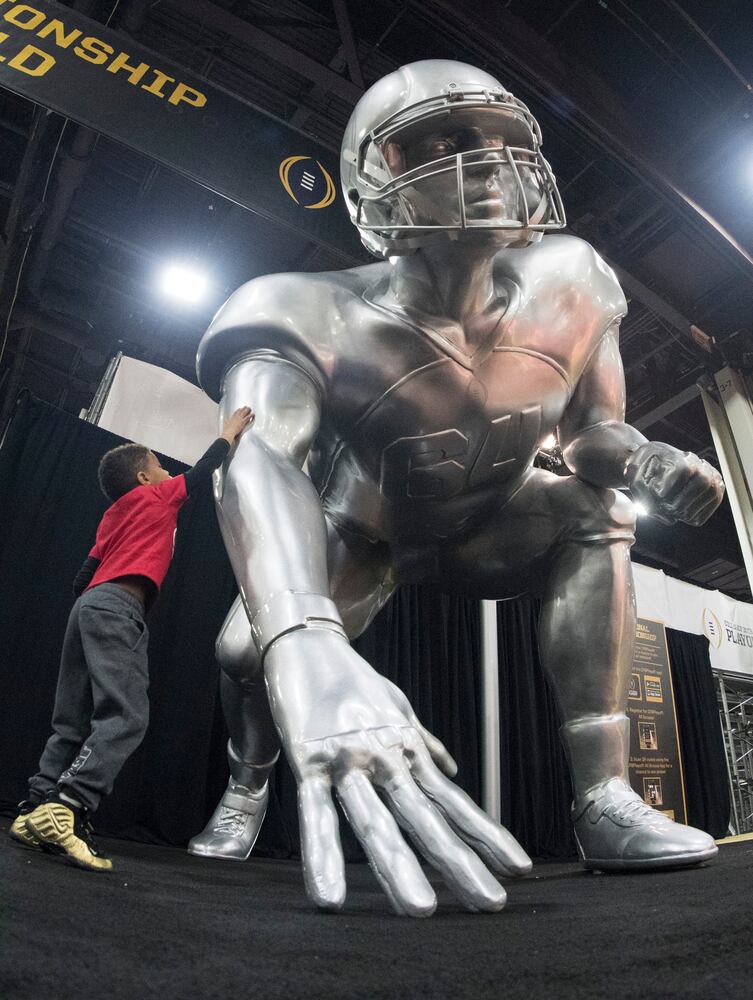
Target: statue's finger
653 471
703 511
672 484
462 869
689 496
658 516
321 852
439 752
392 861
695 505
496 845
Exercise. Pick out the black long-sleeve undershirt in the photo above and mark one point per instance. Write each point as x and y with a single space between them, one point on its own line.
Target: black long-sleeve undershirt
84 576
212 459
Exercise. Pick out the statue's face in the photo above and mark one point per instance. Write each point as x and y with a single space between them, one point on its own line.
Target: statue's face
493 188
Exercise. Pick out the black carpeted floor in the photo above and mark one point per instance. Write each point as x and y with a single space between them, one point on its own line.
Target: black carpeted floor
170 926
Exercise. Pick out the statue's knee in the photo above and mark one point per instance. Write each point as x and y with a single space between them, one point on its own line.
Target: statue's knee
237 655
622 511
601 514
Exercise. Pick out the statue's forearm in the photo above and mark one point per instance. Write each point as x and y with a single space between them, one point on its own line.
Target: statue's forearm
599 453
276 536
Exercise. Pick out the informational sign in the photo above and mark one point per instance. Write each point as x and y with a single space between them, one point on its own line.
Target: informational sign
655 764
108 82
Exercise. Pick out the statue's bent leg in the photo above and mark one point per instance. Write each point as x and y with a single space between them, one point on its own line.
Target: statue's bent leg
570 542
252 750
586 639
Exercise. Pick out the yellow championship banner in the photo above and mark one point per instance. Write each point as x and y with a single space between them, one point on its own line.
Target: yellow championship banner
64 61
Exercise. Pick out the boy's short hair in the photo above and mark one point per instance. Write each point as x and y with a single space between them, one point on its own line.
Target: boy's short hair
119 467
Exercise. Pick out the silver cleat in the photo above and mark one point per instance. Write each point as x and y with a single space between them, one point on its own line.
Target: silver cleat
235 824
617 831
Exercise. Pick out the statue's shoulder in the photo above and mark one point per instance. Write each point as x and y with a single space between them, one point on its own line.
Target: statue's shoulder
586 264
293 314
571 263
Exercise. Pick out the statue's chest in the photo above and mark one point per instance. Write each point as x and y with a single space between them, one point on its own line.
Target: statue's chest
428 426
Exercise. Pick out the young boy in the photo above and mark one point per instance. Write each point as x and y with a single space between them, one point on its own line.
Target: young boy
101 706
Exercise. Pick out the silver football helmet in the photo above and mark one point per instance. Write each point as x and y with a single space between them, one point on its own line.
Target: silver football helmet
440 150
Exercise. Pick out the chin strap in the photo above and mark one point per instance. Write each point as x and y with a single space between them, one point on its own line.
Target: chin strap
540 211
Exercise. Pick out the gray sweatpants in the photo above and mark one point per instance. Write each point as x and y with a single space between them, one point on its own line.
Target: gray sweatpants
101 706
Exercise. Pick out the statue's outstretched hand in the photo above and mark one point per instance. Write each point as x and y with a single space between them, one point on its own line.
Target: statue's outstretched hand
674 485
348 729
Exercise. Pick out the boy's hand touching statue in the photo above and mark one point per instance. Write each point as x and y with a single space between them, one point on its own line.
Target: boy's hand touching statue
236 423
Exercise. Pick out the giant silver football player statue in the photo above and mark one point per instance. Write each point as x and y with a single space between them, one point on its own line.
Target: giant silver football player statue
419 388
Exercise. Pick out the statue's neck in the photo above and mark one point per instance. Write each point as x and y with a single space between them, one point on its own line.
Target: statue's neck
454 282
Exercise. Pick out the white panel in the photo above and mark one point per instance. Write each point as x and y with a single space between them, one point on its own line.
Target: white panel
156 408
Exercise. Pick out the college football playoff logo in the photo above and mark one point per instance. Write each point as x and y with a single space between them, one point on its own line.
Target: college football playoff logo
712 628
307 182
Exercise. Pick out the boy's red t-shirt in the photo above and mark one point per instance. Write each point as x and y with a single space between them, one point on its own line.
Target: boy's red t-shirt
136 535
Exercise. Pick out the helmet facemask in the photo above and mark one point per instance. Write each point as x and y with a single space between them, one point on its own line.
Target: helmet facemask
465 164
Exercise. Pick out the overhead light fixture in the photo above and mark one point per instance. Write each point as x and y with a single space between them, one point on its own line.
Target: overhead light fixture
640 508
548 443
183 283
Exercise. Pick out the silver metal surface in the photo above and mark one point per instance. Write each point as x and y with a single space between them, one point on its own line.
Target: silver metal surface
617 831
420 389
390 163
289 611
234 826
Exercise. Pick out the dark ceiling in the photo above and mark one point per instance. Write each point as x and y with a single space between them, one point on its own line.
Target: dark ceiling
645 108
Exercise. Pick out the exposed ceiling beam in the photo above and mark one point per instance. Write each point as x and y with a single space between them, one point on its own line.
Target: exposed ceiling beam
349 42
652 300
667 407
303 112
222 20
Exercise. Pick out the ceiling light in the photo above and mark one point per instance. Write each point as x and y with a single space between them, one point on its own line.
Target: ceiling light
640 508
184 283
549 442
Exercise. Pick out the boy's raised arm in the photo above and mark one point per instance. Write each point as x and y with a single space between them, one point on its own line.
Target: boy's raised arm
216 453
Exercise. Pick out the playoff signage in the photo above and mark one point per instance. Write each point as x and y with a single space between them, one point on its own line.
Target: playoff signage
66 62
655 764
726 623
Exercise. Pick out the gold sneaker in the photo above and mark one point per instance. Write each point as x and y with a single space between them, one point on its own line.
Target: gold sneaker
20 835
58 825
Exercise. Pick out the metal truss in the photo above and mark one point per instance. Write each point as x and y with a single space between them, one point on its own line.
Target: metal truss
736 715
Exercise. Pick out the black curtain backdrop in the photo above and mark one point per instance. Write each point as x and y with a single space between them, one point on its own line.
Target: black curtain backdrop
701 743
425 641
535 783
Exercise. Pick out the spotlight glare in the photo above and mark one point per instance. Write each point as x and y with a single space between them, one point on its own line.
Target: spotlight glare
184 283
640 508
549 442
